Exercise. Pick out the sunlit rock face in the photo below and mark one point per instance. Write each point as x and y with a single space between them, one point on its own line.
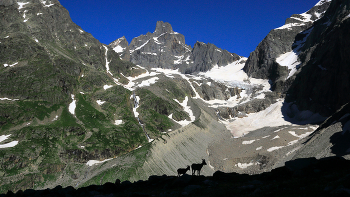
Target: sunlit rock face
165 48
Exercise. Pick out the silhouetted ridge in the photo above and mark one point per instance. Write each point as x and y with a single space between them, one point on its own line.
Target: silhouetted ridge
301 177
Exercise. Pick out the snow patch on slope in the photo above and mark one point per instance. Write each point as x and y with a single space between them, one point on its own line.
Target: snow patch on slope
148 82
7 145
290 60
22 4
12 65
105 87
107 62
99 102
246 165
140 47
248 142
94 162
4 137
72 105
118 49
118 122
186 109
3 99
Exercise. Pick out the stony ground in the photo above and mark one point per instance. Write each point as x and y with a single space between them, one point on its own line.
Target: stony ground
260 150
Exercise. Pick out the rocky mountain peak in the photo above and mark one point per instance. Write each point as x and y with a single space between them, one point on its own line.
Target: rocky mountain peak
167 49
121 46
163 27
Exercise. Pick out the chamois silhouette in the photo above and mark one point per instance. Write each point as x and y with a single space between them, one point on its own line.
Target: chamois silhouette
182 171
197 167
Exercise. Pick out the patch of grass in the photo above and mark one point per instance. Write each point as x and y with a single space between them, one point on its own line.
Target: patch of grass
90 116
173 90
18 112
123 171
155 122
66 119
154 112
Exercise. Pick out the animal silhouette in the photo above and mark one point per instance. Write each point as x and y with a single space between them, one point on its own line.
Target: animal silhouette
197 167
182 171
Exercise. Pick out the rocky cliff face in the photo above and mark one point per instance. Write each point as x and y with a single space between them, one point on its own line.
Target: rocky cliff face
306 58
207 55
325 63
121 46
262 61
165 48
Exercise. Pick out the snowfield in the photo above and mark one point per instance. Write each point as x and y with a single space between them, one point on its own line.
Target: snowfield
270 117
21 5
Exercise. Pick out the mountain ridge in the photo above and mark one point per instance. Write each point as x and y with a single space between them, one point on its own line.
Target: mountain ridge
171 51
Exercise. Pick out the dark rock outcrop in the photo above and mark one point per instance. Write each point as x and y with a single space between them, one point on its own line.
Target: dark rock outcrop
207 55
322 83
262 61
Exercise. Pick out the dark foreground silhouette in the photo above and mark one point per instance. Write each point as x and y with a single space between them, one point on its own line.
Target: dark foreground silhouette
301 177
182 171
198 167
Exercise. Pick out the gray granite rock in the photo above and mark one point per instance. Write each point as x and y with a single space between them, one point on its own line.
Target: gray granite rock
165 48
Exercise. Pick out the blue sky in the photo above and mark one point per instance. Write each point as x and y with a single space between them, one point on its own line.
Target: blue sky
237 25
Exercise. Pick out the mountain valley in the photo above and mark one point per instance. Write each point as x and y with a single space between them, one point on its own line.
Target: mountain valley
76 112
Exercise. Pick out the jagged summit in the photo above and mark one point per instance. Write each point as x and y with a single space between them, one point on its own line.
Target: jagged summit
121 46
163 27
165 48
306 18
